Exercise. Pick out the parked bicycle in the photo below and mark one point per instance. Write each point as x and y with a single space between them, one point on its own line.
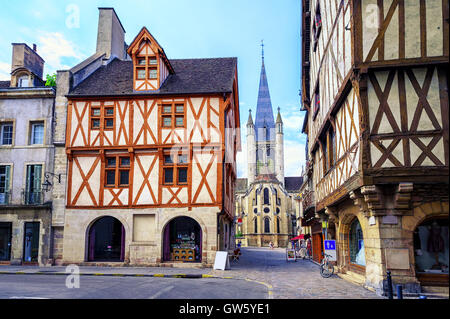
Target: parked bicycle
326 267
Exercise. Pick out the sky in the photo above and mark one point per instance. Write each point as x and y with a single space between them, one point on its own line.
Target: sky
66 32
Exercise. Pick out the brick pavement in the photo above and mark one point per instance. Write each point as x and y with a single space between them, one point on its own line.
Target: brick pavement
299 280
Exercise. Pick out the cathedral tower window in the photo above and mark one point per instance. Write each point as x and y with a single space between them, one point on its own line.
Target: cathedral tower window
266 196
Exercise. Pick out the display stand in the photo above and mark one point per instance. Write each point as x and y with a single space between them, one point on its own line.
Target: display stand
291 255
221 261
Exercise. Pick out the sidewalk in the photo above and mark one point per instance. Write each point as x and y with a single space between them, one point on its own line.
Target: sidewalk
173 272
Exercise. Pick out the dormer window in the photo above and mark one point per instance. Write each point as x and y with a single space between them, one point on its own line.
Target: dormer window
23 81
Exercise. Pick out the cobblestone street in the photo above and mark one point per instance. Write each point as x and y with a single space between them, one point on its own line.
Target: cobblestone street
300 279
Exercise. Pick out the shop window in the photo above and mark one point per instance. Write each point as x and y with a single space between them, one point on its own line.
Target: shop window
31 242
5 241
117 171
266 225
431 247
175 169
106 240
6 133
182 240
173 115
356 244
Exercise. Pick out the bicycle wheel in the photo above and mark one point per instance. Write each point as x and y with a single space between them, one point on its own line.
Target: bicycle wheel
326 270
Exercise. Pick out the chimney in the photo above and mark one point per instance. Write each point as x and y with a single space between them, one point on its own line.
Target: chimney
25 57
34 47
110 34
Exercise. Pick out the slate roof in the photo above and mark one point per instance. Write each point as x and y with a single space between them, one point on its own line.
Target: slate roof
264 113
4 84
293 183
241 184
191 76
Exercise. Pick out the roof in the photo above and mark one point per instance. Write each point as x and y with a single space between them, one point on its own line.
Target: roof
241 184
264 113
5 84
293 183
192 76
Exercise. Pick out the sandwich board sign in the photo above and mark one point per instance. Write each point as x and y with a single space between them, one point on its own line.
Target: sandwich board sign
221 261
330 249
290 255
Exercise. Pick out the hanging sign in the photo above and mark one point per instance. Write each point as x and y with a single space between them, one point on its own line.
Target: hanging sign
221 261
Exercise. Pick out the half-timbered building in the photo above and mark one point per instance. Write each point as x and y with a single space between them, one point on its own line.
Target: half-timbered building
151 146
375 89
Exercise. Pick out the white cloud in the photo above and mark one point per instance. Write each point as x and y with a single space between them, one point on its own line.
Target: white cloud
53 47
5 70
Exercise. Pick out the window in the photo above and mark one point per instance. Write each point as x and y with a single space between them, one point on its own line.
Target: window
141 74
6 131
278 226
117 171
152 61
255 225
172 115
95 118
266 196
316 102
5 171
109 118
175 169
317 26
37 133
267 225
33 193
266 210
153 73
356 244
23 81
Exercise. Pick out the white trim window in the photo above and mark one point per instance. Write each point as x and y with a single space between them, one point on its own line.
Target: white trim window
5 175
37 133
6 133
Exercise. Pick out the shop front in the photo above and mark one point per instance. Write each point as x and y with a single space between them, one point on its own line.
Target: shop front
317 241
106 240
431 251
182 240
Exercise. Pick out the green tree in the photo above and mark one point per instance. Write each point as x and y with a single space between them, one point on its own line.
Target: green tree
51 80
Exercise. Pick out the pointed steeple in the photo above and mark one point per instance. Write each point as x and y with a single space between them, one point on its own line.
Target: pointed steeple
279 120
250 119
264 113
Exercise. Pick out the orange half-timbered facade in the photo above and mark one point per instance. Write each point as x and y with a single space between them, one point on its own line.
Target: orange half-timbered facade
376 94
152 142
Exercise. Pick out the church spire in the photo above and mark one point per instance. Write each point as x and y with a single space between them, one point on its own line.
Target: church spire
250 119
264 113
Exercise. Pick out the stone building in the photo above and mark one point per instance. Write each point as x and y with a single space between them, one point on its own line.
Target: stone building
149 147
265 200
375 89
26 160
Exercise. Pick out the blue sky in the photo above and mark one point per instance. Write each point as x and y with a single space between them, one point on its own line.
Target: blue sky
185 29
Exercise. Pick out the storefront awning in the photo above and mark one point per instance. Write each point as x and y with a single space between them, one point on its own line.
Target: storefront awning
301 236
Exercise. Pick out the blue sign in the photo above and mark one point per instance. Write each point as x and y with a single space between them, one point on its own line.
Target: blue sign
330 245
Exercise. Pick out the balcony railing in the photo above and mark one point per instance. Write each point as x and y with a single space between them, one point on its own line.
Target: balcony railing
32 198
5 198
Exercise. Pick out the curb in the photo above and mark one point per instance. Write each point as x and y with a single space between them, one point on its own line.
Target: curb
190 276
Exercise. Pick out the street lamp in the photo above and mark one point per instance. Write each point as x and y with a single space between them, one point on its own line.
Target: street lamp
46 186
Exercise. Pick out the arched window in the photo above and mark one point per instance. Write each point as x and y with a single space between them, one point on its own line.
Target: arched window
256 225
266 225
278 225
266 196
356 244
23 81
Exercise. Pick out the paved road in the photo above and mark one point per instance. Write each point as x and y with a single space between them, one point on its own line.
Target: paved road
48 286
297 280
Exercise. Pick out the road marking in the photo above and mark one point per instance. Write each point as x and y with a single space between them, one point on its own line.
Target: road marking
161 292
158 275
25 297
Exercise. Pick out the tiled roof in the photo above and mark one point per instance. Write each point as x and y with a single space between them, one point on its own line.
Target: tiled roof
293 183
191 76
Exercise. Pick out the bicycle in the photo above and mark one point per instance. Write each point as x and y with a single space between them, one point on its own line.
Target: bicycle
326 267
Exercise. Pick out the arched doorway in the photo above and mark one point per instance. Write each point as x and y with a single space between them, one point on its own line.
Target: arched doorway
182 240
106 240
431 251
